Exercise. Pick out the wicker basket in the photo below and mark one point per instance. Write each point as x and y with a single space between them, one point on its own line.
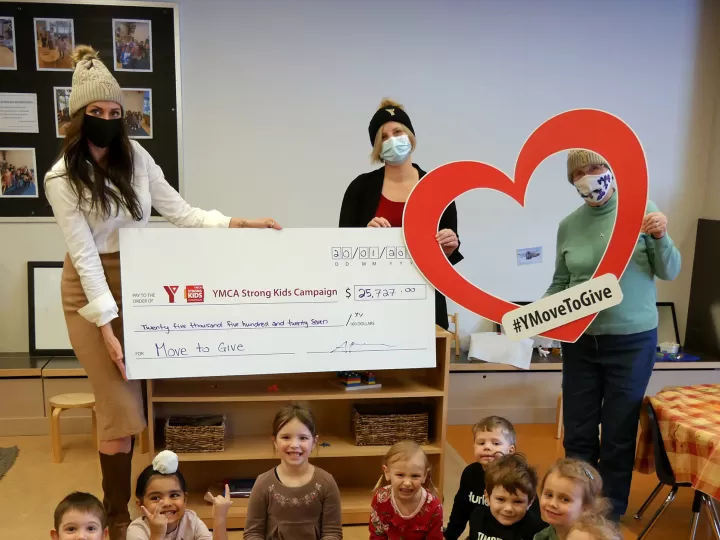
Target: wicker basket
195 433
377 425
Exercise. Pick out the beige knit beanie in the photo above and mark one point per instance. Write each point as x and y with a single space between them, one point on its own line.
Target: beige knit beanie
91 80
581 158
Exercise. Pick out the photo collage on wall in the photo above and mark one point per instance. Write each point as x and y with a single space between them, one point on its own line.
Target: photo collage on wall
54 44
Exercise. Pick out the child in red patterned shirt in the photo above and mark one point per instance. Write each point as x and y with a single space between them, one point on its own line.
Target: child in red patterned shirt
405 505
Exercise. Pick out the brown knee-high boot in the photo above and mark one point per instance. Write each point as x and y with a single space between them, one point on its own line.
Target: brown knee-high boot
116 469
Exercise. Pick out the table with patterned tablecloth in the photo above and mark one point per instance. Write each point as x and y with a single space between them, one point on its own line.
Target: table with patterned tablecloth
689 420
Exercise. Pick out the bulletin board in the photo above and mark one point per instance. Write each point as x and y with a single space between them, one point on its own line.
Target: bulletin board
139 44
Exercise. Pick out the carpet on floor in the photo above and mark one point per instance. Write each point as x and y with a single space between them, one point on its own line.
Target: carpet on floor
7 459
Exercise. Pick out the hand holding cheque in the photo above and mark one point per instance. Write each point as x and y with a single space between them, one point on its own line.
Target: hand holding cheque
323 300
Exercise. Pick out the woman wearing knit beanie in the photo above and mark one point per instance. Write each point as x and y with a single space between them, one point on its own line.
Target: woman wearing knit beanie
607 370
377 198
101 183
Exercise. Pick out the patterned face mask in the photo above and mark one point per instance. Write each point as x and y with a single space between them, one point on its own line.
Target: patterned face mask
594 187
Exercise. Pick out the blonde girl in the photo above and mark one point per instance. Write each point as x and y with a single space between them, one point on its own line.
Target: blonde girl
294 499
570 489
405 504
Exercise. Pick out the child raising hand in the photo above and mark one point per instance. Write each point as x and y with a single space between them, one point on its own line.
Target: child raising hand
161 494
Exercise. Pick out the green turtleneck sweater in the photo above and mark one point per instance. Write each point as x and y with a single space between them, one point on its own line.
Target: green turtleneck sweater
581 241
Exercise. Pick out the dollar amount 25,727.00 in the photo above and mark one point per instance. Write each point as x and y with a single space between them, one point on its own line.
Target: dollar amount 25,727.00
387 292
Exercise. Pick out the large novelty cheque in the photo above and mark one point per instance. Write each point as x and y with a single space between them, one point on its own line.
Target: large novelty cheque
219 302
563 316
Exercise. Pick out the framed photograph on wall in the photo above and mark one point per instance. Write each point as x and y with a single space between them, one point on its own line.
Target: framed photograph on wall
132 45
18 173
61 97
138 112
8 55
54 44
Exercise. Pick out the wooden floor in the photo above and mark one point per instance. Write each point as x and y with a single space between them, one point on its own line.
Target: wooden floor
32 488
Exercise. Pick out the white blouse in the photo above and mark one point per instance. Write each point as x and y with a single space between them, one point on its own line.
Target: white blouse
87 233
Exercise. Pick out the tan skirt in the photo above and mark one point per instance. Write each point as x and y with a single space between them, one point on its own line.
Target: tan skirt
118 404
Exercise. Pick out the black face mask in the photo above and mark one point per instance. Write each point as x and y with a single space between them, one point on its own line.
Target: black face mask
101 132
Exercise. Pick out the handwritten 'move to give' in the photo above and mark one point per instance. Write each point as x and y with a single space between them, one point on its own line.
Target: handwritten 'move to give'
164 351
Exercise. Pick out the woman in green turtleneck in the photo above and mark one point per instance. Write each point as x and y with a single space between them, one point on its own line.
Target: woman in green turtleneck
607 370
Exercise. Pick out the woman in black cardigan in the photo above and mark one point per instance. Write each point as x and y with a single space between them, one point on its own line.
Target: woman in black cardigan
377 198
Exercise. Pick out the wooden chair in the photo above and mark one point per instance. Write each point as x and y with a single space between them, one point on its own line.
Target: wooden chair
456 332
63 402
666 477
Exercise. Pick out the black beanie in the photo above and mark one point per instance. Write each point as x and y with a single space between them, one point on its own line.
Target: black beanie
388 114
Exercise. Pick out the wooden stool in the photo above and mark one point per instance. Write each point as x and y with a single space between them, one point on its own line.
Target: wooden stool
63 402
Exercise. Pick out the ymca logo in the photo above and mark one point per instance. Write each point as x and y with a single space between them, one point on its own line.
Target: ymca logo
194 293
171 290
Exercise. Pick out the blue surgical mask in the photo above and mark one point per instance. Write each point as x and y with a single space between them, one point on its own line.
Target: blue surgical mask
396 150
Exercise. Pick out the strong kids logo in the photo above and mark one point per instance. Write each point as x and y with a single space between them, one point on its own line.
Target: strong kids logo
192 293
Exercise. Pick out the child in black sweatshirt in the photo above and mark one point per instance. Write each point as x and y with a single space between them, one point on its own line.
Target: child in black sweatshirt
511 487
493 436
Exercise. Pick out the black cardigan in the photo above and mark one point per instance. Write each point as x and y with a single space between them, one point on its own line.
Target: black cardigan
360 203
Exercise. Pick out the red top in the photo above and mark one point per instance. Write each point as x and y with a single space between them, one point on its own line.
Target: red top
390 210
387 523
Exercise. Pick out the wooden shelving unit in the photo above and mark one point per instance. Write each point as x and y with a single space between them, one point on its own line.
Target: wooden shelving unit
250 405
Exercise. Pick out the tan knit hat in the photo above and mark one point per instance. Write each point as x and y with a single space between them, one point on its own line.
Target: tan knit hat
91 81
581 158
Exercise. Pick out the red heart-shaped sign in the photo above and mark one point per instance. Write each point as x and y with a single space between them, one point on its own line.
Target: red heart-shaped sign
591 129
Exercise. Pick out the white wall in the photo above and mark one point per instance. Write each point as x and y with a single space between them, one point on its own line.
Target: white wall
275 113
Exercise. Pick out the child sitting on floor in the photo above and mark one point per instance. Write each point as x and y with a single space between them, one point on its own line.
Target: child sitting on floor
570 489
80 515
511 488
405 505
493 437
294 499
162 495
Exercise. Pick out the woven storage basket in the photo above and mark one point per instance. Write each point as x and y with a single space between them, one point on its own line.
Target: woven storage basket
376 425
195 433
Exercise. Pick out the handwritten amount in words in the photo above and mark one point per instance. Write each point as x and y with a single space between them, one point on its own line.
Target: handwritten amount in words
231 325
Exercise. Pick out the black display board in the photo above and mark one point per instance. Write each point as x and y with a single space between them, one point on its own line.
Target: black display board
702 332
93 25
